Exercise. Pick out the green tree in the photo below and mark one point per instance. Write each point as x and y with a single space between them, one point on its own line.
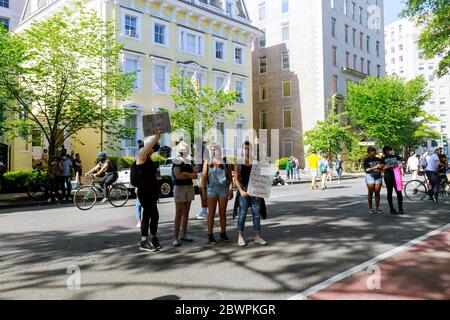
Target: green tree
331 135
387 109
434 16
200 104
64 75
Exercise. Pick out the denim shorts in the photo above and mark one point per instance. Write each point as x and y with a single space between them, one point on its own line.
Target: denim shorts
217 192
373 179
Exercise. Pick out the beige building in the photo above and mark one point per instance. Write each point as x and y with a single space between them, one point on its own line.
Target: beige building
310 50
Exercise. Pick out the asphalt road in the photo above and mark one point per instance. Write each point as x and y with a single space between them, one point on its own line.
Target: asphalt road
312 236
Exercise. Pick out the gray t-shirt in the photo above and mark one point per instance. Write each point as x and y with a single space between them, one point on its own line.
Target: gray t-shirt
432 165
66 164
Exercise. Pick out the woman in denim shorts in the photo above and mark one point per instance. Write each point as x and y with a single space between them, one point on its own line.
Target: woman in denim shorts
373 167
217 180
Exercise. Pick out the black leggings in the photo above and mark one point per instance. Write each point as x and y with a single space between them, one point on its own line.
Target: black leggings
150 214
389 179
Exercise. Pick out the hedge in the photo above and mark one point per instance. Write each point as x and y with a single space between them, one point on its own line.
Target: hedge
17 181
281 163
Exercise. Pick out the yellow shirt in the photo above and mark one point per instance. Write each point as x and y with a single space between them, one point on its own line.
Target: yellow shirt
313 160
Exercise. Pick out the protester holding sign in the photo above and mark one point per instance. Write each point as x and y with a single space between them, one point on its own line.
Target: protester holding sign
242 178
217 180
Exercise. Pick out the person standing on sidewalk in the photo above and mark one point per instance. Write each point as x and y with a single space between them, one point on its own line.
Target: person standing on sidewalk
183 174
148 193
413 166
339 168
137 205
54 176
217 180
66 183
245 201
203 196
373 167
391 161
78 168
313 166
432 172
288 169
324 167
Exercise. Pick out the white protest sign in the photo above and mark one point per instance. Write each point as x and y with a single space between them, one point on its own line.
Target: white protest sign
153 123
260 183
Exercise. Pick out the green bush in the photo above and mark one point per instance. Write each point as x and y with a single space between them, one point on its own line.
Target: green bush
17 181
281 163
158 159
126 162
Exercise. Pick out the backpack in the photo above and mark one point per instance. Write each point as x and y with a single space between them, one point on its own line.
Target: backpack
133 175
423 163
322 167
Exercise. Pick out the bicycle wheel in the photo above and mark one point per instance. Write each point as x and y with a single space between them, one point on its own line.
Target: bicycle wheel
85 198
445 189
118 195
36 190
415 190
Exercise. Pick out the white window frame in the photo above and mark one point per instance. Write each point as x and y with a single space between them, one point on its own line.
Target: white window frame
284 120
161 63
283 2
237 46
244 89
138 17
138 111
283 25
138 58
282 60
261 91
259 64
198 46
224 42
282 88
262 5
166 33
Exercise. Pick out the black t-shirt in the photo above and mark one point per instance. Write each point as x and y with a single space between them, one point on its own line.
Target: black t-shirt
244 175
372 163
184 167
393 160
443 158
147 182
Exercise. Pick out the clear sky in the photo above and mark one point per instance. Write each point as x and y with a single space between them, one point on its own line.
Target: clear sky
392 9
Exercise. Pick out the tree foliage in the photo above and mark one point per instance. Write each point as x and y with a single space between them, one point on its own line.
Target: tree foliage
63 75
388 110
434 16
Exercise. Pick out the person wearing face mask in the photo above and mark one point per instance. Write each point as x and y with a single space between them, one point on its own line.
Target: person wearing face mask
106 167
66 185
148 193
183 173
391 161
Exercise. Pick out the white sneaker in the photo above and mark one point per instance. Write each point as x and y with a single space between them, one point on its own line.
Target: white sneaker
138 225
241 242
186 238
104 200
176 243
201 216
372 211
261 241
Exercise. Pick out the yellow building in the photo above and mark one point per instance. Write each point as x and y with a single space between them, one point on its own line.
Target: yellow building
208 38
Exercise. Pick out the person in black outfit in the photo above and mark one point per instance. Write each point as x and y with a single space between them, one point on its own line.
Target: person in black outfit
148 192
390 161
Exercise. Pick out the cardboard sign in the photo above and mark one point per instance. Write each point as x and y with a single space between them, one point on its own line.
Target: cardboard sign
260 183
155 122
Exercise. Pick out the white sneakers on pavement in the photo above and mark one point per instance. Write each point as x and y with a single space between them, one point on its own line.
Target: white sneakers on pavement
176 243
241 242
260 241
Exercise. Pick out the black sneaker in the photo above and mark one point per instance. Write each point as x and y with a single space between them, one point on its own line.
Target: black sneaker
401 212
224 237
147 246
394 212
211 239
156 243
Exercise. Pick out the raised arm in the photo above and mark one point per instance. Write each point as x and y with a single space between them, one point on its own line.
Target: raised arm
148 149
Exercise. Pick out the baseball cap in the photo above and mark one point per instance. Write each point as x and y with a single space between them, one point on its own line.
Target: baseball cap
438 148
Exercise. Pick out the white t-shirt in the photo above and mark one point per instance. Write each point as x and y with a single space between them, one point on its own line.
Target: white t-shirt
413 163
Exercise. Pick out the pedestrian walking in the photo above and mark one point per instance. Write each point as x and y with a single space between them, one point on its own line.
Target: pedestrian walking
184 172
297 166
66 180
391 161
339 168
432 172
148 193
217 180
330 169
244 200
324 167
78 168
412 166
313 167
373 167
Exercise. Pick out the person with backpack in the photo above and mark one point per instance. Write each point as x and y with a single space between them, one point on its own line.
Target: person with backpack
294 168
137 205
313 165
217 181
324 168
339 168
183 173
106 169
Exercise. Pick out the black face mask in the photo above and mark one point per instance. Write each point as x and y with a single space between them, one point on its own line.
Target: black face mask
247 153
156 147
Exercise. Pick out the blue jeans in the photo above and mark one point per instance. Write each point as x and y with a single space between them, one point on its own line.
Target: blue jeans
255 205
138 209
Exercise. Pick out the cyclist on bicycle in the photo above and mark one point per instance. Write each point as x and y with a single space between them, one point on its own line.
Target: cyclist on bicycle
107 167
432 172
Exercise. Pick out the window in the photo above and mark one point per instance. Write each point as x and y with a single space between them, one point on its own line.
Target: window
5 22
420 54
160 78
354 38
160 36
4 3
346 33
221 134
368 67
262 40
220 50
191 42
286 89
346 7
368 44
334 83
131 65
229 9
430 77
219 82
401 58
360 15
400 47
378 70
263 65
287 148
262 11
431 66
361 36
421 66
353 11
131 26
284 6
333 4
240 88
131 144
334 55
264 120
333 27
263 92
285 61
354 62
238 55
378 49
285 32
393 50
347 59
287 118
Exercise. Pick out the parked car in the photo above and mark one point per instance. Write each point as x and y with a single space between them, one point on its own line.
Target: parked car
164 177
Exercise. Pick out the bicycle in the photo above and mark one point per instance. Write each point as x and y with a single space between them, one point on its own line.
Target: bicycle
85 197
416 190
39 187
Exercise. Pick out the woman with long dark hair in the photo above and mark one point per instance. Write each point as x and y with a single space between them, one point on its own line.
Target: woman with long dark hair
391 161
